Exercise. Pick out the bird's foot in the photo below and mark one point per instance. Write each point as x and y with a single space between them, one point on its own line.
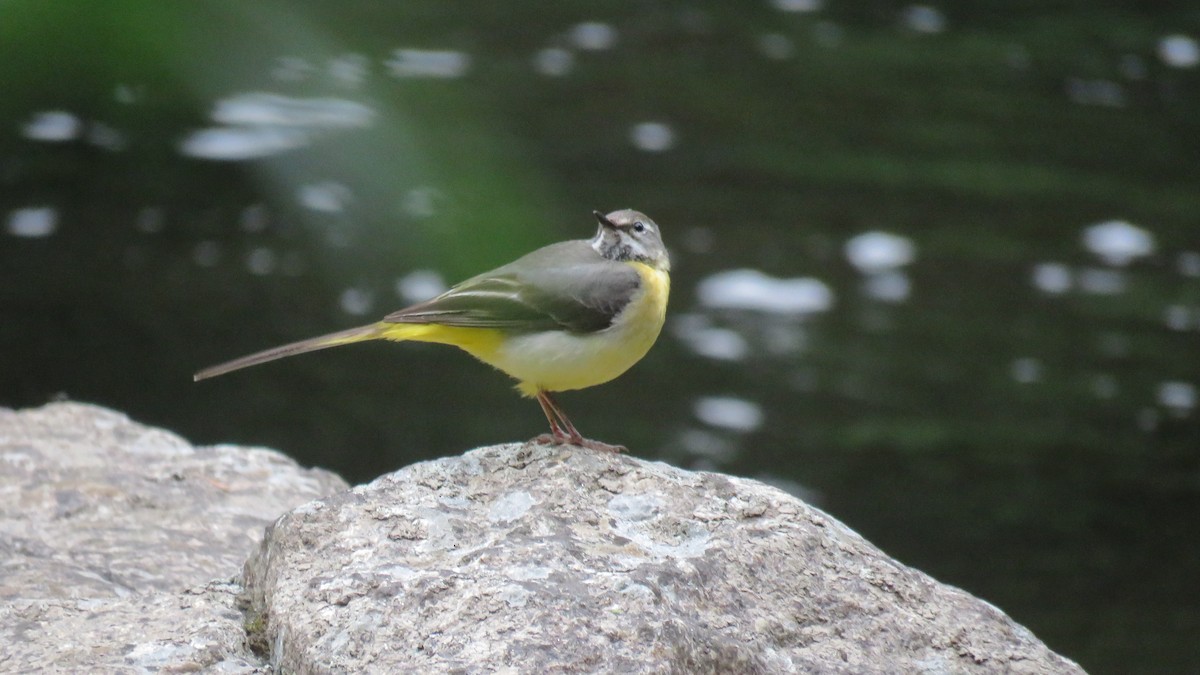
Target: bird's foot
600 446
580 441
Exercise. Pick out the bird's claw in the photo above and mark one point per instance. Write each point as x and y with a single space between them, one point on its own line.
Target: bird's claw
598 446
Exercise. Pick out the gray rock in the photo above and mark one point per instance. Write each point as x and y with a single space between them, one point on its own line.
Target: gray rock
534 559
111 537
120 545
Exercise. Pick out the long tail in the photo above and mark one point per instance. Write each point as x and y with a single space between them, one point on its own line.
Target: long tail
370 332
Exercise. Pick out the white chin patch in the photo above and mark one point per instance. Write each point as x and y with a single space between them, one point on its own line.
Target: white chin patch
623 245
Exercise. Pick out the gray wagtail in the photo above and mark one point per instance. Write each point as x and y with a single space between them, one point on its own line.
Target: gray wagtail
567 316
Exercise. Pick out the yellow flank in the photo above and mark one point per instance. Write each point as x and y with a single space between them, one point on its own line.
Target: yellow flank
479 342
556 360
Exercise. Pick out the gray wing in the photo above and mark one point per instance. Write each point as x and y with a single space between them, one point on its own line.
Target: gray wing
565 286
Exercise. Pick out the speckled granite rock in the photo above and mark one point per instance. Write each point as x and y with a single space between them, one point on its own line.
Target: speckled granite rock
111 537
530 559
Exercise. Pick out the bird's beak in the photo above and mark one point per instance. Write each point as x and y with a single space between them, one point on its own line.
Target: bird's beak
604 220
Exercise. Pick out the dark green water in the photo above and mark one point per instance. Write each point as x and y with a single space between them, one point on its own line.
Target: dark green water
1001 400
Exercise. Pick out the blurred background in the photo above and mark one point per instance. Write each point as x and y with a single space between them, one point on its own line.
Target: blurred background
937 266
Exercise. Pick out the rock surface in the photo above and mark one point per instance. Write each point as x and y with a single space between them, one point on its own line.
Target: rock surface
120 547
120 544
529 559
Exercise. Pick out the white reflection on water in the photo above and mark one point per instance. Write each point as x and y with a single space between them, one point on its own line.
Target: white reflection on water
923 19
1179 51
1118 242
260 124
356 301
53 126
421 201
265 109
1026 370
594 36
240 143
1101 281
126 94
324 197
33 223
554 61
880 255
1188 264
1051 277
708 445
753 290
874 252
728 412
420 285
888 286
349 69
432 63
1179 397
775 46
707 340
261 261
652 136
797 5
1179 317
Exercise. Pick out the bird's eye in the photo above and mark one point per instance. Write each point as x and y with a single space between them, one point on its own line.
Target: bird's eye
639 227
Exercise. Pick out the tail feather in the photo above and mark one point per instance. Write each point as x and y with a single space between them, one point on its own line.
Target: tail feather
345 337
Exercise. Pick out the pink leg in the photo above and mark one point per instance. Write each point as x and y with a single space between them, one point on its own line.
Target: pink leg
556 435
563 432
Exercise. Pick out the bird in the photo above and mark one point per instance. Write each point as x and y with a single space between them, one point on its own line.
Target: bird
566 316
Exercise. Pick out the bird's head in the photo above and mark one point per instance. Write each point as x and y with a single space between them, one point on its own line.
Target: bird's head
629 235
